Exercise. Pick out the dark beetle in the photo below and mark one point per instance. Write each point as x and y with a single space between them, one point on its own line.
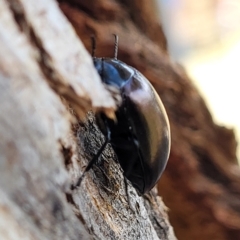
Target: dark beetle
140 135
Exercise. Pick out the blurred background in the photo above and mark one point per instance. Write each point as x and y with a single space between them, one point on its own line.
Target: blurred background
204 36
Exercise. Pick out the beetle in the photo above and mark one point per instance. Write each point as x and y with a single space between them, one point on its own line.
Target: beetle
140 136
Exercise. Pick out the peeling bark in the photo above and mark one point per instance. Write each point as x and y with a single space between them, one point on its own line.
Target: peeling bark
33 123
65 64
47 85
202 179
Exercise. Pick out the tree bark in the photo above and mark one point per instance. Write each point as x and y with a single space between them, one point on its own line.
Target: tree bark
48 84
202 179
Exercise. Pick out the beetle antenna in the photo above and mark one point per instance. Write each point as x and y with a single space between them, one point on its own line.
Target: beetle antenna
93 40
115 46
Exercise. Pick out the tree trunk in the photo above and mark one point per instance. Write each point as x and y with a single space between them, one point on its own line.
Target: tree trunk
202 179
48 84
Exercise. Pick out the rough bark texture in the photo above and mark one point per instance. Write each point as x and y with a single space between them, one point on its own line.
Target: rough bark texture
110 207
47 82
47 85
201 184
34 126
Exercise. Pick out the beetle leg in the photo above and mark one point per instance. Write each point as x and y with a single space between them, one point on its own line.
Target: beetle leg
94 159
137 147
